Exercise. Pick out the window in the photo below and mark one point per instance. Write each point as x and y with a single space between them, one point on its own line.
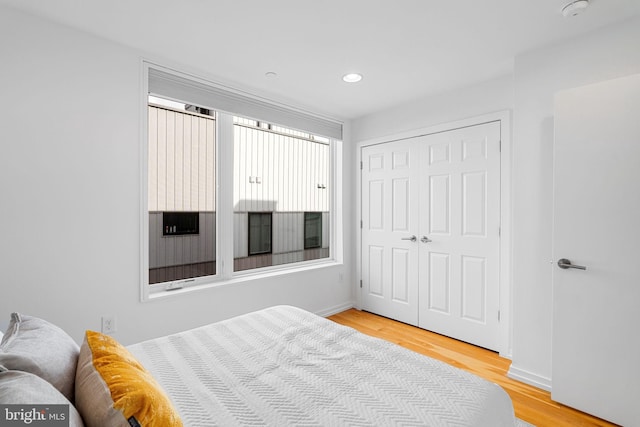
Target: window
259 233
284 172
312 230
181 192
180 223
224 187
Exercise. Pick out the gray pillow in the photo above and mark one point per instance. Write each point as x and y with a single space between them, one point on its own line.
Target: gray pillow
23 388
34 345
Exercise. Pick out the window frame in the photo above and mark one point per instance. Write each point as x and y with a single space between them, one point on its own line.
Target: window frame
225 274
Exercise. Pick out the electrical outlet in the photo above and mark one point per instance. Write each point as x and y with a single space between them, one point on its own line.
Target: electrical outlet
108 324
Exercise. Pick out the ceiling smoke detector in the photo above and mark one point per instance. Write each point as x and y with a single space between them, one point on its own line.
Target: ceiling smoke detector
575 8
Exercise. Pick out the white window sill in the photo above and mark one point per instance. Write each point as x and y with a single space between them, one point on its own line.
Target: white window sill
239 277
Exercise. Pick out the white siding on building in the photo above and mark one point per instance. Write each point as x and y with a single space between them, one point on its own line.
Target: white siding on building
279 173
181 161
240 235
289 232
326 221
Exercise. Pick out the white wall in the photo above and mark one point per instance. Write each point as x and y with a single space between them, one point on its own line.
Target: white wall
488 97
70 195
608 53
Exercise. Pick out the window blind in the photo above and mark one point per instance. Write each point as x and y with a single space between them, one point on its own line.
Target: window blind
204 94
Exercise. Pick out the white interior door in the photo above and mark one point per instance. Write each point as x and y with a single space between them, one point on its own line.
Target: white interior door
596 350
460 217
443 192
389 220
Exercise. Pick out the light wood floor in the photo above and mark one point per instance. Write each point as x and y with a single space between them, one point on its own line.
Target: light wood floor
531 404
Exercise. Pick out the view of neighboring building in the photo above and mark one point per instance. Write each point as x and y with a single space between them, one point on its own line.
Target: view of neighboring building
280 189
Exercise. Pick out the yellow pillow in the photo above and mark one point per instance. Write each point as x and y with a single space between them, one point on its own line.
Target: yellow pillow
114 389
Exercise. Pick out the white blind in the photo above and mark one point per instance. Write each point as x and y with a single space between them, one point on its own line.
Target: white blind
190 90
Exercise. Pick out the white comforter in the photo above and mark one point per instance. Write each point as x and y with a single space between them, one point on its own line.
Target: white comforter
286 367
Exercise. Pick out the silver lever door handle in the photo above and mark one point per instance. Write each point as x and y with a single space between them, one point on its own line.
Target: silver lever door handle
412 238
425 239
565 263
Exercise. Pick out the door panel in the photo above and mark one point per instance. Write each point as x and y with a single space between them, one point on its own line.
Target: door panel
474 200
439 284
389 215
459 267
400 204
474 288
376 205
375 270
400 273
595 350
440 216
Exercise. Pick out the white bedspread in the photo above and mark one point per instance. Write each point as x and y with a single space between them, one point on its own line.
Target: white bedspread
286 367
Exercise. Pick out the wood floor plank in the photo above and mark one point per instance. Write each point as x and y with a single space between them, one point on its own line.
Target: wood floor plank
530 403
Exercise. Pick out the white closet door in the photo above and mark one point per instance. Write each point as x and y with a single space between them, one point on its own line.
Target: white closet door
389 220
444 189
460 216
596 351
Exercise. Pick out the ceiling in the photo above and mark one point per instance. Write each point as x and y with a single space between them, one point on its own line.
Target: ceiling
406 49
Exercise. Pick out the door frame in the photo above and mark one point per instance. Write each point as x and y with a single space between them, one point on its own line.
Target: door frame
506 278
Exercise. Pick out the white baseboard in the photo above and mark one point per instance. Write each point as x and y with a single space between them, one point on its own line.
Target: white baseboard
529 378
334 310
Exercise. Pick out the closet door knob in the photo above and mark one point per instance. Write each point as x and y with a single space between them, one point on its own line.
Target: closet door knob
425 239
412 238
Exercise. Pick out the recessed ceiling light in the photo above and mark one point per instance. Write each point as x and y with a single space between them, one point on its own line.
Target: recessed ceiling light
352 77
575 8
271 74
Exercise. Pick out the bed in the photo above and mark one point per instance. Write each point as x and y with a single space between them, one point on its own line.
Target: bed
281 366
284 366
